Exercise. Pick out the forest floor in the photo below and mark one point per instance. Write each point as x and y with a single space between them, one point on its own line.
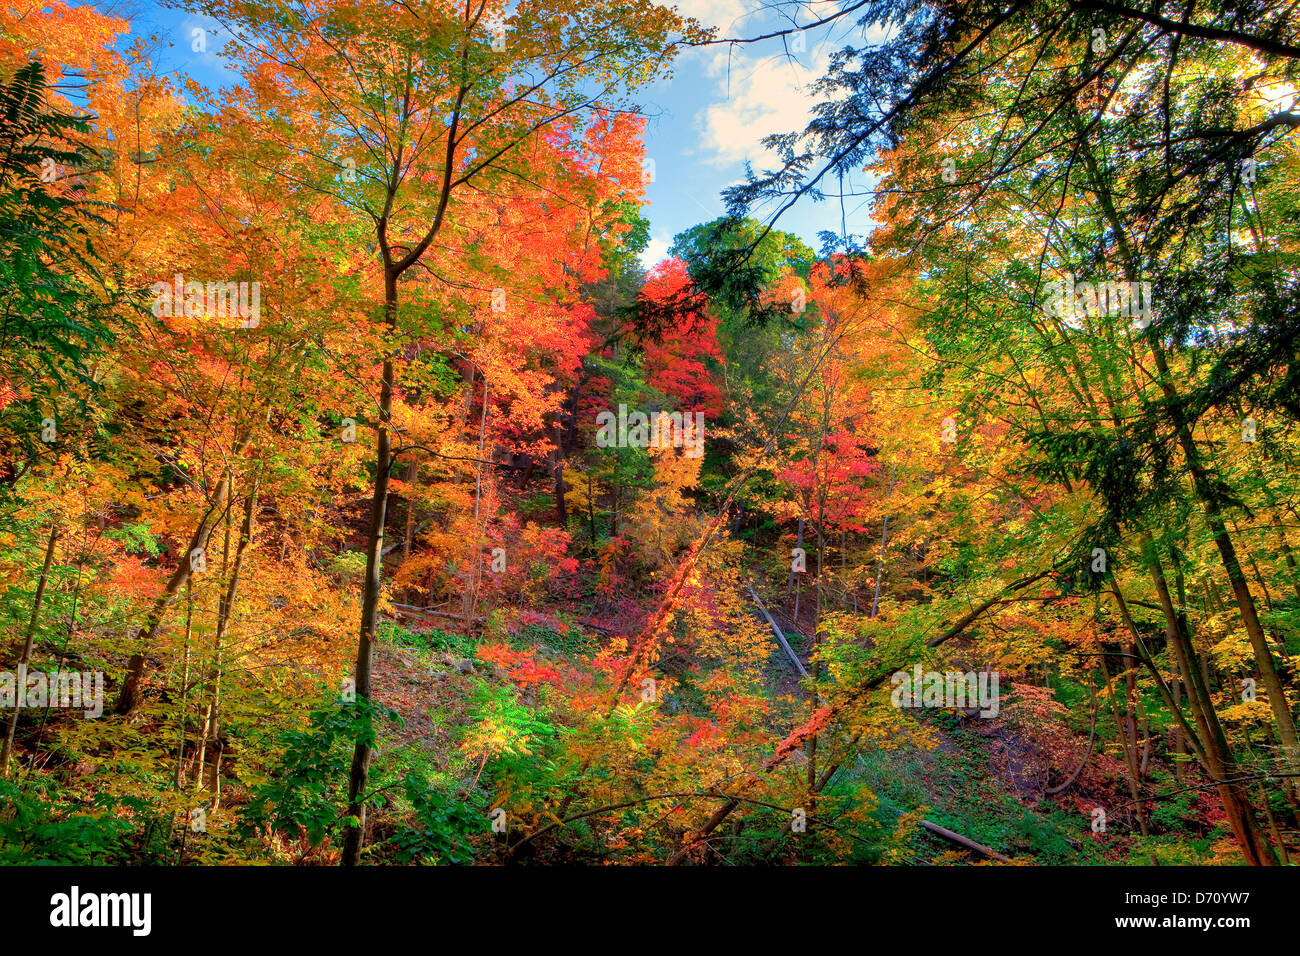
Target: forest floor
982 779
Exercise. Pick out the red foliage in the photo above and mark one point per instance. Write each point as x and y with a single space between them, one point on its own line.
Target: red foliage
519 666
677 361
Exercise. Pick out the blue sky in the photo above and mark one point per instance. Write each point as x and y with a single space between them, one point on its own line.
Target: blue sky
712 115
703 124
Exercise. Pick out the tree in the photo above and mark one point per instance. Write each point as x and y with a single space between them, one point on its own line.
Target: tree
420 105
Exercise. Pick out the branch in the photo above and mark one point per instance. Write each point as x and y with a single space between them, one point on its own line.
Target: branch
782 33
1262 44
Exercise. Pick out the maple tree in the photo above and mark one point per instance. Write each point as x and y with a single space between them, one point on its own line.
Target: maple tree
405 517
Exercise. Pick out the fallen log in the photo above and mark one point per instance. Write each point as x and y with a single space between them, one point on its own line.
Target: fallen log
964 842
780 635
411 609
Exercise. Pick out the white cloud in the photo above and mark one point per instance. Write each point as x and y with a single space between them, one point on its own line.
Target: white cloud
656 251
713 13
761 96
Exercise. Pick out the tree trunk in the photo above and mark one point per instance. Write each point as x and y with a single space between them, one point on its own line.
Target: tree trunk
29 638
133 684
185 685
370 587
561 507
884 539
412 471
470 595
1218 758
225 612
798 543
1128 744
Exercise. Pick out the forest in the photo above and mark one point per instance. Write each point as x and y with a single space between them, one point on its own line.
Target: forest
373 494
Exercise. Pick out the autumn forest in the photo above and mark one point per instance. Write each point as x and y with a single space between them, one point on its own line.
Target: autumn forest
375 491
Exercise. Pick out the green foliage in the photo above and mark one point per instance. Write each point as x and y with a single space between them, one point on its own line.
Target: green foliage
349 564
442 827
307 789
135 538
511 734
37 829
451 642
535 505
570 643
734 260
51 316
956 789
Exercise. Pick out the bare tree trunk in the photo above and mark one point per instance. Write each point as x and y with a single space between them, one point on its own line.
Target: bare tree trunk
1129 744
798 543
131 694
884 539
1180 741
412 472
225 613
370 586
561 507
470 595
200 758
1219 759
1217 755
828 400
29 638
185 684
1204 488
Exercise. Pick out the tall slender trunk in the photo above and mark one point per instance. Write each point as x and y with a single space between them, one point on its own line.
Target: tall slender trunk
1124 726
470 595
1204 487
185 685
561 507
827 403
1218 758
131 695
29 638
1180 741
370 587
412 471
1217 753
884 540
798 543
225 613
